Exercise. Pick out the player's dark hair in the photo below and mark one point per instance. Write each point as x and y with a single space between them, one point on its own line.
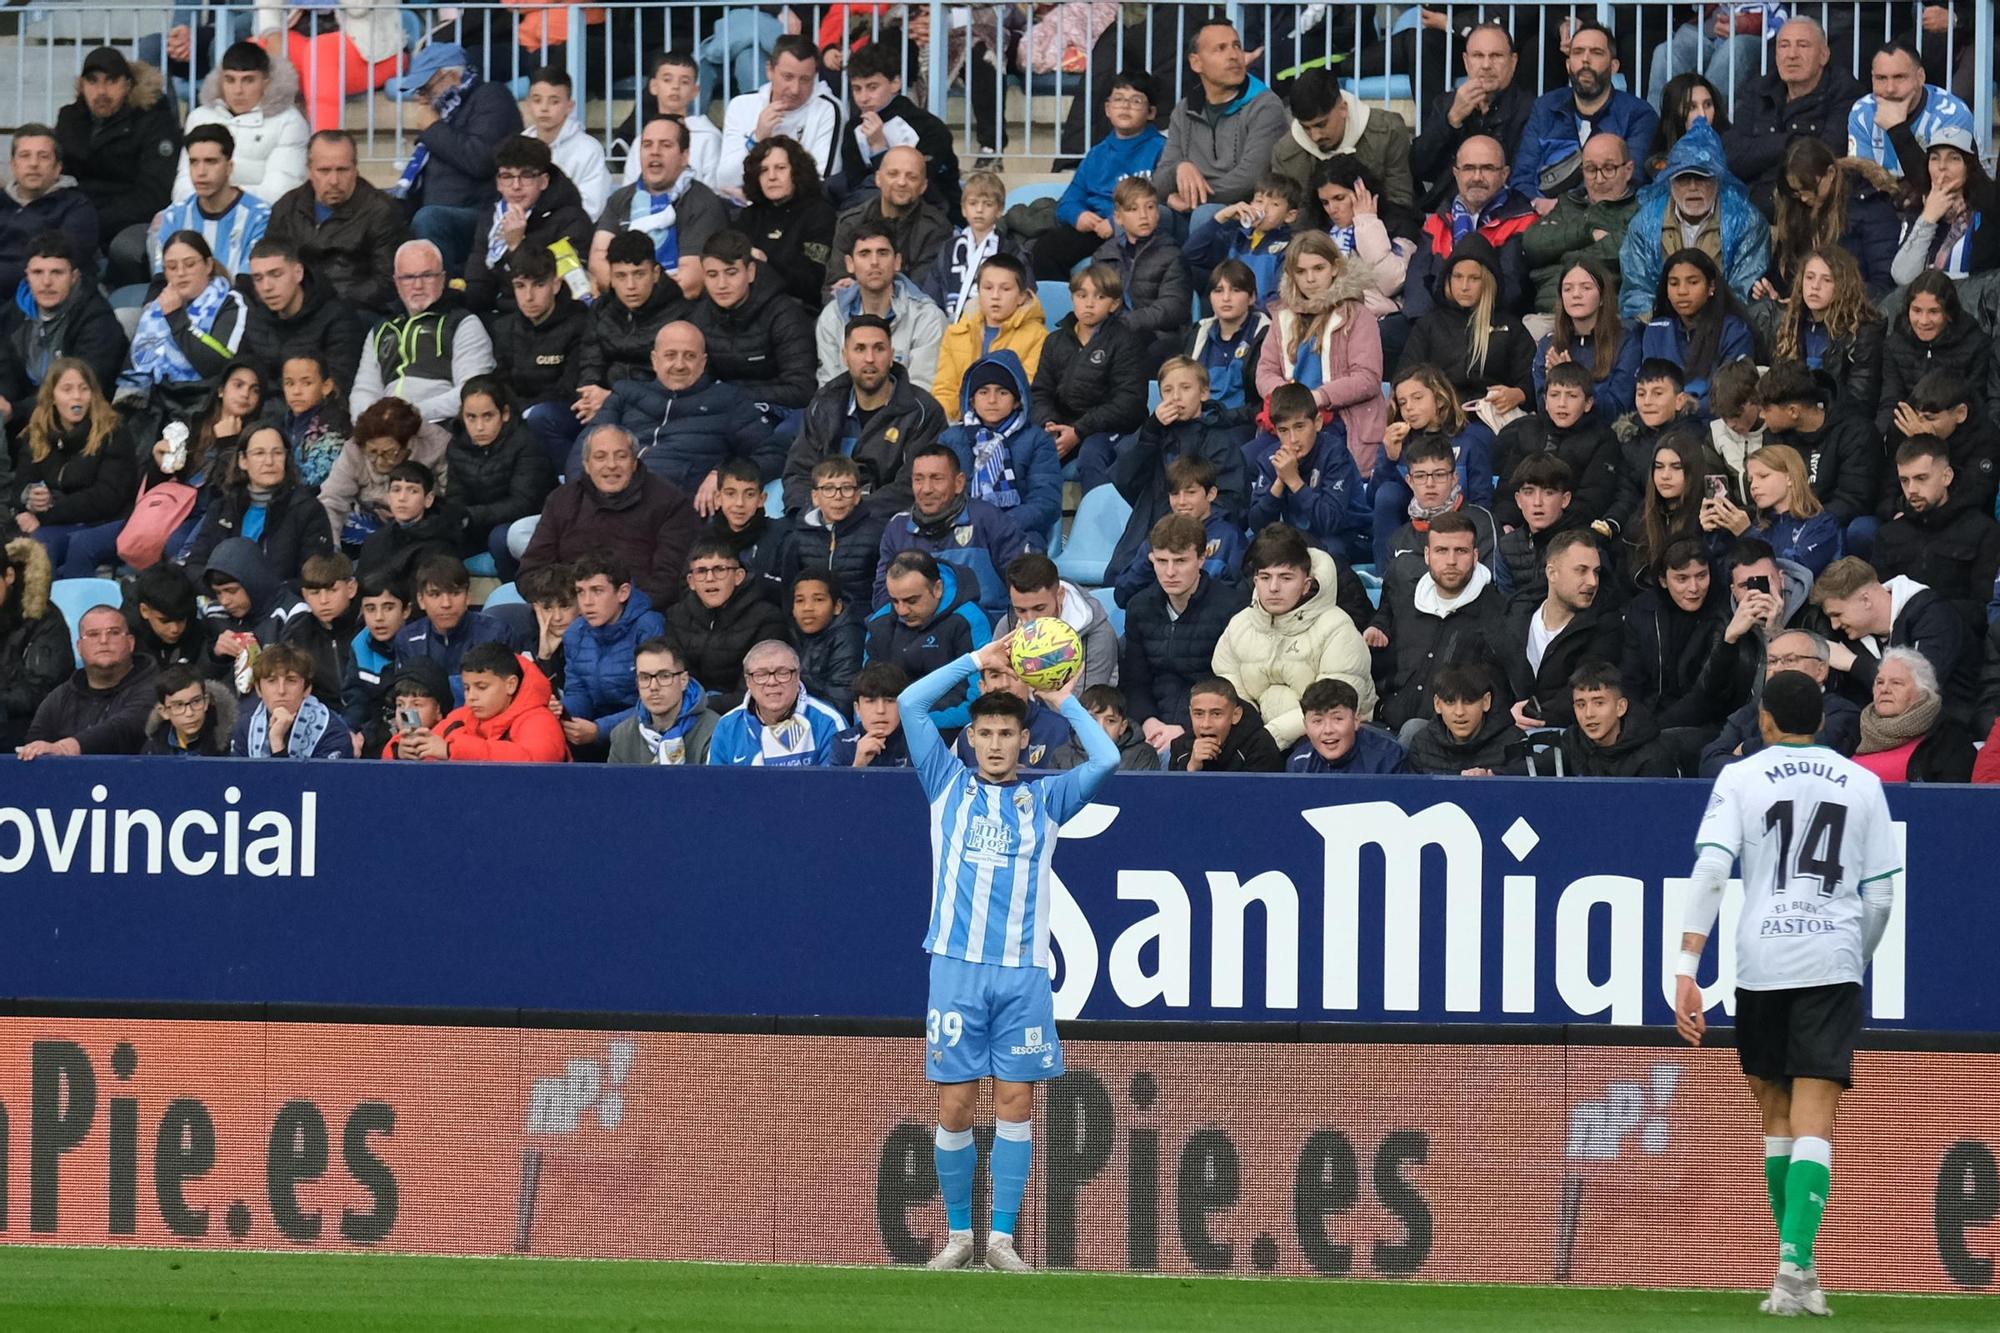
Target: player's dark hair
1794 703
999 703
1323 696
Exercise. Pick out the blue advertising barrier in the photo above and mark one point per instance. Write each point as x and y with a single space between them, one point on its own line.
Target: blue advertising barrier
804 893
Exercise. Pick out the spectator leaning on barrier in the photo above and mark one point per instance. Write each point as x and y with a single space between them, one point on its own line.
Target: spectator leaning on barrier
673 723
120 139
192 717
778 725
343 229
41 199
102 708
1336 739
288 721
505 717
1225 734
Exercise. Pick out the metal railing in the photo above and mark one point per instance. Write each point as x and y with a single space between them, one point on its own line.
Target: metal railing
1023 82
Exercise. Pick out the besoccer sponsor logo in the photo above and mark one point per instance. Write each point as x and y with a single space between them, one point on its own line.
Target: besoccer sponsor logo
1032 1044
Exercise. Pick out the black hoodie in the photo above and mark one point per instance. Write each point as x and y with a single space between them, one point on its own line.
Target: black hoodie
1637 753
326 325
273 605
1248 748
539 362
764 345
1436 750
1954 550
557 216
618 344
1589 447
1665 649
1442 337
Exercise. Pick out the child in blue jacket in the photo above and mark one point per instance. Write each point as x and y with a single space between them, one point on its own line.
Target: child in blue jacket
1009 462
1255 231
1302 475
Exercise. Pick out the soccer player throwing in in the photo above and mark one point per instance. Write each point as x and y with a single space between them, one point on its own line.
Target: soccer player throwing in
992 1009
1819 859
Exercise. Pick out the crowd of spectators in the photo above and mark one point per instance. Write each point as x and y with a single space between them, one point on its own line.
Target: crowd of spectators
1529 442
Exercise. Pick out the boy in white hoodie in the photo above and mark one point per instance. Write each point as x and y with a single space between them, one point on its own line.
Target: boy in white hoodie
551 117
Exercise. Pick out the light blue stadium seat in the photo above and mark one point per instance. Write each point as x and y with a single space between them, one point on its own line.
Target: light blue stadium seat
1381 87
1371 583
774 499
1027 194
1093 535
1152 395
75 597
1055 301
481 566
504 595
1112 609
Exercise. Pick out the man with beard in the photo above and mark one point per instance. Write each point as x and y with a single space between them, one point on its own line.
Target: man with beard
1563 120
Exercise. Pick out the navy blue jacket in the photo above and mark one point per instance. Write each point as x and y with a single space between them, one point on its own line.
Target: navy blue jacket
1668 339
975 537
684 436
1553 134
1140 474
1221 558
1374 751
599 662
1333 503
1033 466
1616 392
460 171
847 550
839 752
956 628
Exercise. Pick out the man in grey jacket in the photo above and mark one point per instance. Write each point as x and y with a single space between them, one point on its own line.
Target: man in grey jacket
1035 591
1219 138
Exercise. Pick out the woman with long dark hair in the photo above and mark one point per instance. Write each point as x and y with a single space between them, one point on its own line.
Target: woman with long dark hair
1831 324
262 500
1932 332
1703 324
1672 508
1590 333
1951 233
1687 98
1823 202
788 220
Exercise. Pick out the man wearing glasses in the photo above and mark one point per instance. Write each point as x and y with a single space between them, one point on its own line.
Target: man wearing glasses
721 616
103 708
426 354
778 725
1566 118
1480 201
673 723
1588 222
1793 650
538 209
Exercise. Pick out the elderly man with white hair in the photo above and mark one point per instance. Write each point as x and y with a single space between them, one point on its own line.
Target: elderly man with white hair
778 724
426 354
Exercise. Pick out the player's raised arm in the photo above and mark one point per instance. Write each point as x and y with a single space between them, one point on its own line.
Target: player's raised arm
929 755
1070 791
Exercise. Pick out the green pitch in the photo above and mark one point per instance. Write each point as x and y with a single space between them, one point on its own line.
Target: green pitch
132 1291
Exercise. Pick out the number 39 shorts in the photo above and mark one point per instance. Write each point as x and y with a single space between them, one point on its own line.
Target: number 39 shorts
985 1019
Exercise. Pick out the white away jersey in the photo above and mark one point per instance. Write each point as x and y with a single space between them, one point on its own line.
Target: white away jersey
1808 829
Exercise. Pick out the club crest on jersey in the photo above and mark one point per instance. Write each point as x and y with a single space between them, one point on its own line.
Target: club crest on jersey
963 536
1208 551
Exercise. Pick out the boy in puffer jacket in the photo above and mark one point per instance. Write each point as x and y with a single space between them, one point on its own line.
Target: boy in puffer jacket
1008 461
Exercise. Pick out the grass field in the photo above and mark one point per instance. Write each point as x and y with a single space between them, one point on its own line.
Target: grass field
135 1291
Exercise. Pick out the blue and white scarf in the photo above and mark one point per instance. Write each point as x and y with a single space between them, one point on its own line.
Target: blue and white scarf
307 728
156 357
966 257
1464 220
1342 237
670 746
992 469
654 215
443 104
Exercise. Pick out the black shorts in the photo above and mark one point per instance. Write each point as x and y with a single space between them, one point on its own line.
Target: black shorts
1805 1033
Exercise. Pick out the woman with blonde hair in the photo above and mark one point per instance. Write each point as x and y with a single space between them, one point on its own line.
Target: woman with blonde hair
1324 337
77 474
1830 324
1488 358
1788 515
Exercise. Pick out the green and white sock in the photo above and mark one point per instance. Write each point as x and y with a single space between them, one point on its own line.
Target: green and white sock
1777 1164
1806 1187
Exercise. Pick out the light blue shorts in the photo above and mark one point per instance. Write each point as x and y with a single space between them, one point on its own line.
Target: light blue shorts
985 1019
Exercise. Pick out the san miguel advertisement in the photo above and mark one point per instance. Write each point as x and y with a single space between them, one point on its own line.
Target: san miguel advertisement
751 892
1454 1162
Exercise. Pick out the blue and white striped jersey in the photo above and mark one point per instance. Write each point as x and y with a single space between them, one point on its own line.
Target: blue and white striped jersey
230 237
991 845
1941 111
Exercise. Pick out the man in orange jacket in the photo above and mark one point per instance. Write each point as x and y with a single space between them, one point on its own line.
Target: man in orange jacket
505 717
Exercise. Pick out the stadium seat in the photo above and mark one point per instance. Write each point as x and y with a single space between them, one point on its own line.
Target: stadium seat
481 566
1027 194
1093 535
1371 583
504 595
1054 297
774 499
1381 88
74 597
1152 395
1111 609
